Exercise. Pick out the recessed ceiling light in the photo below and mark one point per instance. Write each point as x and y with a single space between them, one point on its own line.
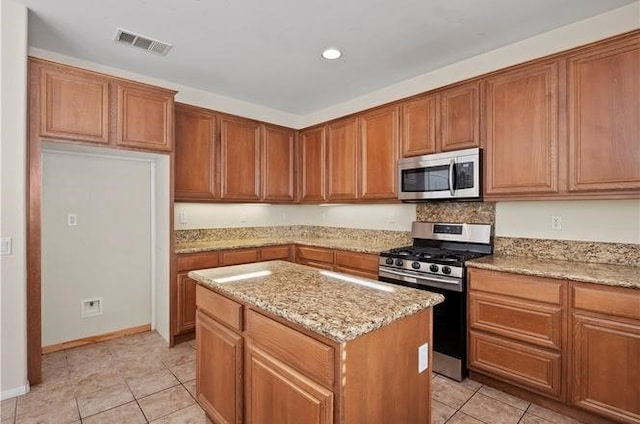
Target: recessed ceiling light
331 53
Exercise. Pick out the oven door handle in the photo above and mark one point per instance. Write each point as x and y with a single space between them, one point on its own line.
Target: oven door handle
452 188
430 278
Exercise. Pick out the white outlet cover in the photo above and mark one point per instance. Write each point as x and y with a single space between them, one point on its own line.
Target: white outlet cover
72 219
423 358
91 307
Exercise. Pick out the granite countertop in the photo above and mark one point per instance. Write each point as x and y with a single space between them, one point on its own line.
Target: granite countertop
587 272
317 300
341 244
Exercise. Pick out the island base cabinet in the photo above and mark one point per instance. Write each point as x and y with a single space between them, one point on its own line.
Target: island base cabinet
276 393
606 363
218 371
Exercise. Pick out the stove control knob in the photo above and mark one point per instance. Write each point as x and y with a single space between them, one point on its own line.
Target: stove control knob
399 262
433 268
389 261
415 265
446 270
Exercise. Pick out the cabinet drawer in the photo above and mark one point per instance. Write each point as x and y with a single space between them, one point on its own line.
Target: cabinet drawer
275 252
321 265
516 363
236 257
362 261
531 322
193 262
516 285
311 357
225 310
315 254
357 272
615 301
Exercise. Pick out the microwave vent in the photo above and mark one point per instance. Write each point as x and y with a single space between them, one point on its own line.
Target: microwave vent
142 42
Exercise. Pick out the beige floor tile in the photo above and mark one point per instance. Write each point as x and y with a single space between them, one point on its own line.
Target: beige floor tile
8 409
190 415
103 399
99 380
42 397
54 360
450 392
440 412
550 415
504 397
129 413
56 412
179 355
165 402
93 353
184 372
529 418
490 410
146 385
470 384
140 366
191 387
87 368
55 375
462 418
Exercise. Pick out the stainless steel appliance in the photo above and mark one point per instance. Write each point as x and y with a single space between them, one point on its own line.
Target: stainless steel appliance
449 175
435 262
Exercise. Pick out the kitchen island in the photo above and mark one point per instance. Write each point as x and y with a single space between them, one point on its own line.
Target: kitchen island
287 343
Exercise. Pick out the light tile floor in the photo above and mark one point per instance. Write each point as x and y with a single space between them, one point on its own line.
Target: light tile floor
137 379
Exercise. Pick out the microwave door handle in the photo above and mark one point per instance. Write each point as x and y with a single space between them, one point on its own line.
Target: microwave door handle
452 177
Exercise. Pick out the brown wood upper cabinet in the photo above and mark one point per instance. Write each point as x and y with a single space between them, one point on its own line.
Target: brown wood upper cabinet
342 159
313 164
442 121
521 141
604 106
379 150
196 154
278 164
88 107
240 158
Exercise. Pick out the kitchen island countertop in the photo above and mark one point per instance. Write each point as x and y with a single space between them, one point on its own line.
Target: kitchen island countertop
586 272
334 305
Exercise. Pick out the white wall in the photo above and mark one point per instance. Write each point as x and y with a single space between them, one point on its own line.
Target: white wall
13 110
377 217
588 220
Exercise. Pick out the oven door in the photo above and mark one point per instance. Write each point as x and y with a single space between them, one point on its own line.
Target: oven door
449 317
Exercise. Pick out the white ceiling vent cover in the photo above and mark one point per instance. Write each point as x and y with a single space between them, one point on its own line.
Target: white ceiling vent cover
142 42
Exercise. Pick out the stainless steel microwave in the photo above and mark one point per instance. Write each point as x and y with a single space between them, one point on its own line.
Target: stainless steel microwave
441 176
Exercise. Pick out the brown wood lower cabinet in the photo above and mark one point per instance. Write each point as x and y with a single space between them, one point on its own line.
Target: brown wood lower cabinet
277 372
359 264
575 343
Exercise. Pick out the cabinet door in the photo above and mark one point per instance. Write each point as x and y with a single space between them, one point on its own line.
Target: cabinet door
275 252
218 370
240 158
604 106
186 316
342 146
419 126
239 256
460 117
313 154
379 149
74 104
278 164
276 393
606 366
521 110
195 154
145 117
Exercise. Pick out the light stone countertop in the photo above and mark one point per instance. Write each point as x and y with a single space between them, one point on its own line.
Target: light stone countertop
587 272
338 309
341 244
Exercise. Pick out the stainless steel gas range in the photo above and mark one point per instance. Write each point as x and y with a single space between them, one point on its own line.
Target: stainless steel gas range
435 262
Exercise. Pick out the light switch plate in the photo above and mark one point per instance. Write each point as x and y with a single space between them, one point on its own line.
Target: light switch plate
5 246
423 358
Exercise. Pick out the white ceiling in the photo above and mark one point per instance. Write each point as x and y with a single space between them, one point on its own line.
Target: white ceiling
267 52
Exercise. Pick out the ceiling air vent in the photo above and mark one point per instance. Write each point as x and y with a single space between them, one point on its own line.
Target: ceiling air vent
140 41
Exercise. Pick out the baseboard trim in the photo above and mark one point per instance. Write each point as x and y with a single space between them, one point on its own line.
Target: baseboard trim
96 339
17 391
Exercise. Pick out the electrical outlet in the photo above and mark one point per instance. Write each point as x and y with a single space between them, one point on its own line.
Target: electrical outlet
91 307
556 222
72 219
5 246
423 357
182 217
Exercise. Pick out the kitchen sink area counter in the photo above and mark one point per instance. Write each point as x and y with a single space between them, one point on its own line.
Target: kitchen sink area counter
334 305
585 272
